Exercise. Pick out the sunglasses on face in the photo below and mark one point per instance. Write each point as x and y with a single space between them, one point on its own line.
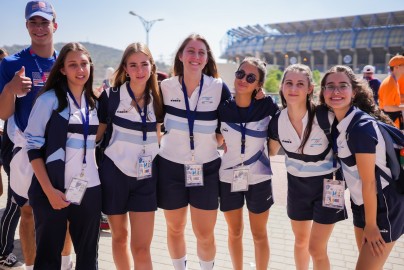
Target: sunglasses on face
251 78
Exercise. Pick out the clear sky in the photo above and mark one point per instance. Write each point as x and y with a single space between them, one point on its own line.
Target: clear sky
109 23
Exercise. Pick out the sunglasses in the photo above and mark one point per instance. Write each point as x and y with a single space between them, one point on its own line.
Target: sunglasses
251 78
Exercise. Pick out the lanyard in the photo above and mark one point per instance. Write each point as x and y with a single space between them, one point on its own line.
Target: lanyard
85 120
43 77
243 128
191 114
143 114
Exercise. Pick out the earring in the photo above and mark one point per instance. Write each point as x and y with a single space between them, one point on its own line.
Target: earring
127 75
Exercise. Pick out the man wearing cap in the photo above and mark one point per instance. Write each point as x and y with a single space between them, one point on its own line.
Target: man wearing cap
389 91
374 83
22 76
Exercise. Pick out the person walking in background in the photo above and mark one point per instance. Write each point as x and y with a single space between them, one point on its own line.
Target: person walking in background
378 209
11 215
374 83
245 171
128 171
310 166
61 135
188 162
106 83
389 92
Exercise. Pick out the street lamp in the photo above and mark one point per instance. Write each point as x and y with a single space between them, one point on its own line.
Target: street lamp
147 24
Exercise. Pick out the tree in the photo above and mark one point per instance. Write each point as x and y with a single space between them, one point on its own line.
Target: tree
273 80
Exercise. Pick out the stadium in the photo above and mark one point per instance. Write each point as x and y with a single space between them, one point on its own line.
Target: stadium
355 41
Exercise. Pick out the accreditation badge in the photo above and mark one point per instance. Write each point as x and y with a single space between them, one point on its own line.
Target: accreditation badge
240 180
144 166
75 192
193 175
333 193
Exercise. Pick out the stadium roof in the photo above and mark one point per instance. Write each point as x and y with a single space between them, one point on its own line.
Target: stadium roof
358 21
319 25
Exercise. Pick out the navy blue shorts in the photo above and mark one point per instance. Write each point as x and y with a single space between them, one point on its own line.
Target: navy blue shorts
19 200
258 197
173 194
390 214
122 193
305 200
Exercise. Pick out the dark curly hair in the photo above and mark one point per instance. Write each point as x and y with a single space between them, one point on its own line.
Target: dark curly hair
363 98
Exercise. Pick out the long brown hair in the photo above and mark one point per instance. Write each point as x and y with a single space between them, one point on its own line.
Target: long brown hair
363 98
120 77
58 81
210 68
300 68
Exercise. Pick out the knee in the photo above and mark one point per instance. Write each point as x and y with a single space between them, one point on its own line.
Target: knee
316 251
175 230
27 217
236 232
301 242
260 236
141 251
120 237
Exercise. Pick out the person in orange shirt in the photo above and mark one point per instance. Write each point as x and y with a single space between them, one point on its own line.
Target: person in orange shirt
389 91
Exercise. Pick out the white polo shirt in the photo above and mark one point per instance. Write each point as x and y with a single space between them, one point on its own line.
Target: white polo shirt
175 144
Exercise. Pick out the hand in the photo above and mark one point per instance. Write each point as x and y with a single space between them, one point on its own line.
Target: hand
260 94
20 85
372 237
57 199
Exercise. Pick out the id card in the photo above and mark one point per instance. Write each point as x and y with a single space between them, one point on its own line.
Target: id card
193 175
76 190
144 167
333 193
240 180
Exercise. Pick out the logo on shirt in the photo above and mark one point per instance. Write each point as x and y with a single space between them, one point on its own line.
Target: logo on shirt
206 100
287 141
225 129
175 100
384 231
315 142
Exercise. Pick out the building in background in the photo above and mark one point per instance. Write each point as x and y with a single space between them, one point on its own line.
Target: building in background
355 41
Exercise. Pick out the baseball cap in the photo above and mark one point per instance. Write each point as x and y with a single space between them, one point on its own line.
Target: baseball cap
39 8
396 61
368 69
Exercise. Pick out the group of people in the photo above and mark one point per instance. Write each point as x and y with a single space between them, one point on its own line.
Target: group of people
157 148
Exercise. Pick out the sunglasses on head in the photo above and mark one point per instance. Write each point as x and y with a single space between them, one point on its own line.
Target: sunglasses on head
251 78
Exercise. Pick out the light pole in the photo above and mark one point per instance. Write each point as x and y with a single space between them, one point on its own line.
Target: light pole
147 24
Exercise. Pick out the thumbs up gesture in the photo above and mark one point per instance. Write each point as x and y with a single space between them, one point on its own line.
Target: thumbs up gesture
20 84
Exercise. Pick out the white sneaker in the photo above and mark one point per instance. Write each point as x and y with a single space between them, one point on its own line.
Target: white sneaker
10 261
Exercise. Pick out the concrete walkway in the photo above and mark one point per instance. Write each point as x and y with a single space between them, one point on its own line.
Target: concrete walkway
341 248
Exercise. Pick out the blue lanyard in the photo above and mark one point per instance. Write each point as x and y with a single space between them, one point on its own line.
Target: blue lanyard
191 115
143 114
85 120
243 126
43 77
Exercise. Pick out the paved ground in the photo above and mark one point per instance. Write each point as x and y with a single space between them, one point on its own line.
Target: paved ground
342 247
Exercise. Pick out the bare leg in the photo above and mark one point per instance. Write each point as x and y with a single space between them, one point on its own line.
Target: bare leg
27 235
258 224
301 230
320 234
142 227
120 241
176 221
234 219
203 225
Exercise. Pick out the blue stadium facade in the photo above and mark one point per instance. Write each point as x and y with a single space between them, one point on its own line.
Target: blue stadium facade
355 41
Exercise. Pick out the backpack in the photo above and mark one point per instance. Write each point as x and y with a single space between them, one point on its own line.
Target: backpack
394 140
113 103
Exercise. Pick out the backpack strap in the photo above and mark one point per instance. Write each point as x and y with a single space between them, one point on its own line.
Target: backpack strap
113 103
274 130
322 119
